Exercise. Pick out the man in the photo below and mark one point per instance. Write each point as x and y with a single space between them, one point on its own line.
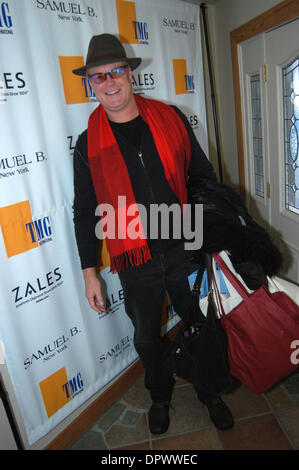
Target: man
144 151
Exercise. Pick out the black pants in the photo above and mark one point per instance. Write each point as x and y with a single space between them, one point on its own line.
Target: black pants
144 292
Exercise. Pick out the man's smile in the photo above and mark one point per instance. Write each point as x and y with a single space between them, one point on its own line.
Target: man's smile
112 92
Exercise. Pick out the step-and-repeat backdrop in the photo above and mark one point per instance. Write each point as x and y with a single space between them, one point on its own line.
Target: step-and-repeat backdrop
58 351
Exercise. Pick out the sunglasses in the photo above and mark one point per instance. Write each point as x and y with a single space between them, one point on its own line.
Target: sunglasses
113 73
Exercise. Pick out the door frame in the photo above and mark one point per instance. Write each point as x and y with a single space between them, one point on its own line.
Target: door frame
276 16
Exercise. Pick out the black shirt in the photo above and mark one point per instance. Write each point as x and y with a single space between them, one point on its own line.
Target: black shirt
131 130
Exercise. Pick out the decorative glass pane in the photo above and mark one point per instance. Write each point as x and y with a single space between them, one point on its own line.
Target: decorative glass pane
290 76
257 137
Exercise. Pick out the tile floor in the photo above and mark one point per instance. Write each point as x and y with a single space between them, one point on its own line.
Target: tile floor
262 422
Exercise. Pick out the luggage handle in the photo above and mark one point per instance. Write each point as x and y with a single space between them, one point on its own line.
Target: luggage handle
234 281
213 282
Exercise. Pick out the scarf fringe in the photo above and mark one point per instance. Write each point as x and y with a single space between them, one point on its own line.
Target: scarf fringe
133 257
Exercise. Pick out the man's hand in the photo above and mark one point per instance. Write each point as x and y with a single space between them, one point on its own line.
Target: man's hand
93 290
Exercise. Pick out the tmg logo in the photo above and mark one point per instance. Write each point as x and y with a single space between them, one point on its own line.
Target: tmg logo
5 19
183 82
131 30
20 232
58 389
76 89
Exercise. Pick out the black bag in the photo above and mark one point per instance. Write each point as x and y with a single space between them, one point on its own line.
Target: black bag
199 350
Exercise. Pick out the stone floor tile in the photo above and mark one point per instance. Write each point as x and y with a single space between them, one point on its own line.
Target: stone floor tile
199 440
278 398
260 433
291 383
130 418
142 446
187 412
119 435
109 418
243 402
91 440
137 397
289 420
256 427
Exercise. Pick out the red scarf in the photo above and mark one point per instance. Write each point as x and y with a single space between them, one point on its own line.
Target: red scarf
111 179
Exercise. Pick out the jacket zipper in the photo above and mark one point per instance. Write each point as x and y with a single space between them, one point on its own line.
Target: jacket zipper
140 155
147 175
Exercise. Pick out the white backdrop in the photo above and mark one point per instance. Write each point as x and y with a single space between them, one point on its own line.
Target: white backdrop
58 351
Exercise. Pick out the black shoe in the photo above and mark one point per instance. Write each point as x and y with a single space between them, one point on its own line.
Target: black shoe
158 417
220 414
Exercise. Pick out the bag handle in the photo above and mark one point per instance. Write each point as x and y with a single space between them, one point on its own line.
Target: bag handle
204 263
197 284
231 277
212 283
194 308
208 262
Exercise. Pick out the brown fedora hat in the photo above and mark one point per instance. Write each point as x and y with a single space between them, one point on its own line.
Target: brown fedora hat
105 49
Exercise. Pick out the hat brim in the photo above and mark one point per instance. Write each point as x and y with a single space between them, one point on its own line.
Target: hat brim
133 63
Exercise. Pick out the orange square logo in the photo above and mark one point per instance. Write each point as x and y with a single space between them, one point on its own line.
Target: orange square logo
14 221
180 75
126 15
103 256
53 391
74 86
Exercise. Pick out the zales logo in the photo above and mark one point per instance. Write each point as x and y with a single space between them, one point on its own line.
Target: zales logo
37 289
114 301
193 120
143 82
72 143
12 85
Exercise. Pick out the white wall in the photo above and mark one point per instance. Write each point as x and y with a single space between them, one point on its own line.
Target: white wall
223 17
